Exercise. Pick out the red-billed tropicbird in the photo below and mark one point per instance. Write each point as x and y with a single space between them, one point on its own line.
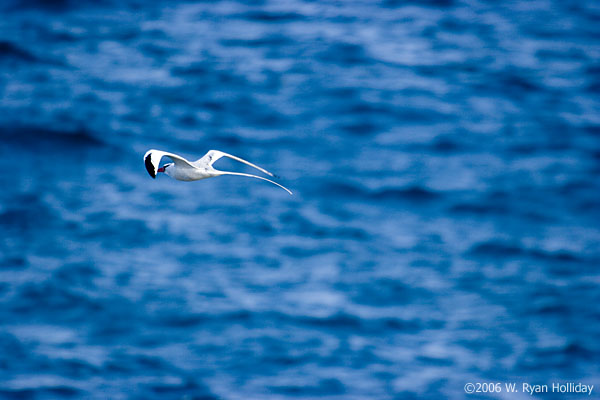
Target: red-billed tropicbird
184 170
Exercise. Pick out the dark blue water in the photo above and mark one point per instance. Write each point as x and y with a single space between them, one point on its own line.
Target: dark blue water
444 229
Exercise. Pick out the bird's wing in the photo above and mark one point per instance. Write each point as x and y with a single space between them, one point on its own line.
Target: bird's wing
152 160
213 155
253 176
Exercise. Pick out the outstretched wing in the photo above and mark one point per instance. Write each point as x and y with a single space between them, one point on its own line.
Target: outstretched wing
152 161
213 155
254 176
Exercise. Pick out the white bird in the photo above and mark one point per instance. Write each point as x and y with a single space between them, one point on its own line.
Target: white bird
184 170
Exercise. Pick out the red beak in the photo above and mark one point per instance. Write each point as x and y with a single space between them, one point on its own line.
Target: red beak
161 169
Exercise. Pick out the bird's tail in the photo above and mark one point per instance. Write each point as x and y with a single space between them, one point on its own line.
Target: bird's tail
253 176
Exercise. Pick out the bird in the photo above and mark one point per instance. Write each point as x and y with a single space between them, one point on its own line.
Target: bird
184 170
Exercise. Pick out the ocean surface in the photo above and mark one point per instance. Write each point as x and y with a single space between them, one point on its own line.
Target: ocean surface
444 229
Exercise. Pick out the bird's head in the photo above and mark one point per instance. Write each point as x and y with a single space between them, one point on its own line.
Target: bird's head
164 168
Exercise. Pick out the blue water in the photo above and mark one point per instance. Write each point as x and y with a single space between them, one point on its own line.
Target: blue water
444 228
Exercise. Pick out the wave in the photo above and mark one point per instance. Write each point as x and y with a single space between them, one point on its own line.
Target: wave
408 193
9 50
25 212
273 40
270 16
346 54
61 391
506 249
55 5
53 301
481 208
38 137
321 388
421 3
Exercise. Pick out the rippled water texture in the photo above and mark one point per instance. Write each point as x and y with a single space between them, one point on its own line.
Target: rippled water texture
444 229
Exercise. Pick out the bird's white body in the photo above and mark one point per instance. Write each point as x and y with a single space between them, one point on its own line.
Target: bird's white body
188 174
184 170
